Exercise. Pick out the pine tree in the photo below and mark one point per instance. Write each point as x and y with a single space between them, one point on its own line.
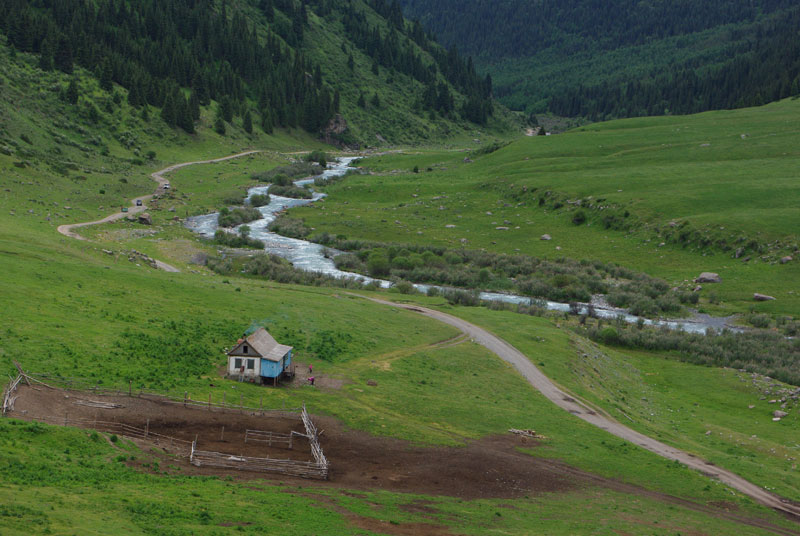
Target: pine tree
183 113
72 92
168 113
266 121
106 74
194 106
376 101
361 102
336 99
46 57
226 108
219 126
247 122
63 56
351 63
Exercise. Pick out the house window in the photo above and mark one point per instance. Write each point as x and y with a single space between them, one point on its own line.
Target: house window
251 364
237 363
245 349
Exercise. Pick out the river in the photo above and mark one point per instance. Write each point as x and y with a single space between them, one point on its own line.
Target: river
309 256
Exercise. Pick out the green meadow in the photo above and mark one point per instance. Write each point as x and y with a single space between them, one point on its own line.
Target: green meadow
704 186
72 309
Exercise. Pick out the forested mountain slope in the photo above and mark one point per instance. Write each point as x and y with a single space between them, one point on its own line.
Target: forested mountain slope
268 63
625 57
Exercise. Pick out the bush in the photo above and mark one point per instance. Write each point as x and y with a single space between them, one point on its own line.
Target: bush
234 240
579 218
237 216
294 192
260 200
289 173
291 227
317 156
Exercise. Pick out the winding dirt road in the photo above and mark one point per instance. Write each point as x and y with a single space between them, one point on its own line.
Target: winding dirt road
158 176
564 400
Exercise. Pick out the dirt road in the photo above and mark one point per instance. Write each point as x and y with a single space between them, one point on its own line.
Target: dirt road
158 176
567 402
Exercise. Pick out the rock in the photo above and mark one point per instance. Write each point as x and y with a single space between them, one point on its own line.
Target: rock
501 228
779 414
450 226
738 253
751 406
762 297
546 237
558 248
467 160
372 383
145 219
698 288
172 209
673 224
787 258
708 277
708 432
19 164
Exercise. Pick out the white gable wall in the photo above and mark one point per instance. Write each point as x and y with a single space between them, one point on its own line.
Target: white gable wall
233 370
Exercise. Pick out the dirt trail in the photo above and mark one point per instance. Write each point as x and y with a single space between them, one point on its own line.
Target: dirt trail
564 400
158 176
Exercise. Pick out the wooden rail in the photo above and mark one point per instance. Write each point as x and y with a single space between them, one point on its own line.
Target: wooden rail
264 465
8 394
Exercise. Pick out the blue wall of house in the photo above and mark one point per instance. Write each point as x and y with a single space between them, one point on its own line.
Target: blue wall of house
271 369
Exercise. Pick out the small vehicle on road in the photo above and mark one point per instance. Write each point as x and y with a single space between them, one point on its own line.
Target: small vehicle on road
138 202
124 209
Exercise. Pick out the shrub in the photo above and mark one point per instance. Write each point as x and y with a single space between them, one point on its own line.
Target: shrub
295 192
237 216
260 200
234 240
317 156
579 218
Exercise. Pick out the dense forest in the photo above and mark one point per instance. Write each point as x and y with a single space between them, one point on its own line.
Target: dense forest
624 57
249 57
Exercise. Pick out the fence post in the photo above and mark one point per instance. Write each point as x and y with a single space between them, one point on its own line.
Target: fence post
222 433
147 429
130 387
261 405
241 403
185 396
223 398
209 401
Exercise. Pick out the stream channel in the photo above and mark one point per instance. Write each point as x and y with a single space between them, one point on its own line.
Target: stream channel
311 257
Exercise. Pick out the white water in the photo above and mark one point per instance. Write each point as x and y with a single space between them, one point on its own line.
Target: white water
311 257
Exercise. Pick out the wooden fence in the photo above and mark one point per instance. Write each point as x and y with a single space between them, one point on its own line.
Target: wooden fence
173 444
79 384
8 394
271 438
318 469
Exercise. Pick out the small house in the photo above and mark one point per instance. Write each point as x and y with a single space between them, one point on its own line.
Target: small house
259 358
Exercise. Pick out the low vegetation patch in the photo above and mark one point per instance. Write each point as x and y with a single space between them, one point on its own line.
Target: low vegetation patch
234 240
561 280
286 174
764 352
295 192
237 216
291 227
260 200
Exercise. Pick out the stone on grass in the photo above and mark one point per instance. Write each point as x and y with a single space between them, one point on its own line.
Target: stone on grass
145 219
787 258
372 383
762 297
546 237
780 414
708 277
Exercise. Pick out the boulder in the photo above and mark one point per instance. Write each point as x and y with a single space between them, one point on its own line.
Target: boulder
372 383
762 297
467 160
546 237
501 228
145 219
787 258
450 226
779 414
708 277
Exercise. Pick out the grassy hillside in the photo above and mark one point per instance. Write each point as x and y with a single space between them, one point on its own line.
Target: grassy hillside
262 66
670 196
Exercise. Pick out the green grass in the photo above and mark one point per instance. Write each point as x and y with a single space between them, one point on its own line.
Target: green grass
736 192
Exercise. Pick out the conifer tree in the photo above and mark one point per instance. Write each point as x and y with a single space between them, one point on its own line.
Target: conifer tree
266 121
168 112
247 122
72 92
63 56
106 74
